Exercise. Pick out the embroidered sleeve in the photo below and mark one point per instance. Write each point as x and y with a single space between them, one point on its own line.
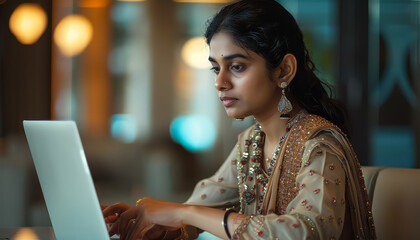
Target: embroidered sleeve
318 210
219 190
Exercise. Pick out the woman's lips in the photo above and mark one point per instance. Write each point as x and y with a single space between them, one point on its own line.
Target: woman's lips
228 101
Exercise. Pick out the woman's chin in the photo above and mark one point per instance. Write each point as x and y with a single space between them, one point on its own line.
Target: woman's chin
237 116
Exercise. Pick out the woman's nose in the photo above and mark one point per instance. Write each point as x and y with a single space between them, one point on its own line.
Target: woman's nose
222 82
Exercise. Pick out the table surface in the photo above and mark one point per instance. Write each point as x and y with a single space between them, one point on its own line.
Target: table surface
31 233
27 233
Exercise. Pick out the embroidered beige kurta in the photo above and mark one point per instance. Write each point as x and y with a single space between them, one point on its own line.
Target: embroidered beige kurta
320 204
318 210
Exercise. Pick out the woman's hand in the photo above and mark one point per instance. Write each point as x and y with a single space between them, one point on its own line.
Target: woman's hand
168 214
117 217
111 214
126 220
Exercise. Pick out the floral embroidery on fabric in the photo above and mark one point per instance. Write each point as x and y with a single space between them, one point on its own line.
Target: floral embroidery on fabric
309 223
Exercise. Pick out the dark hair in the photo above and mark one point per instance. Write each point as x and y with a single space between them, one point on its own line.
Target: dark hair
268 29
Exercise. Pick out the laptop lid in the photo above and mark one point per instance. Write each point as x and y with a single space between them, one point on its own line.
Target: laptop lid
65 180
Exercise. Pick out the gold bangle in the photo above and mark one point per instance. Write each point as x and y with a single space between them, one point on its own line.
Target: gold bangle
138 201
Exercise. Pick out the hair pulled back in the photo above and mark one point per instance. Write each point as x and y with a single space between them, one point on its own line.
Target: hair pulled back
268 29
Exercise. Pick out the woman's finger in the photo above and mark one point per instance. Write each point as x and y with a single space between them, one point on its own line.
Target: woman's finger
113 209
127 227
125 219
114 229
111 218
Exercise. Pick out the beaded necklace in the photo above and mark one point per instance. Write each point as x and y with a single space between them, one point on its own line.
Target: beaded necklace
253 156
276 152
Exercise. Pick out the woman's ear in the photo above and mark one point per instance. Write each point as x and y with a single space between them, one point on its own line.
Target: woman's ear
286 71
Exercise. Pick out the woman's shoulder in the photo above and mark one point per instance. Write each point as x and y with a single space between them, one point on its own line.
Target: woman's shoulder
314 121
324 139
311 125
321 133
315 130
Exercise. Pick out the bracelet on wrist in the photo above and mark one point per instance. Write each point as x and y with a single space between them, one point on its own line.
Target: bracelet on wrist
224 222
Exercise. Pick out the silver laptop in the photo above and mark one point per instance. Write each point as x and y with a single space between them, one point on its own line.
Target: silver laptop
65 180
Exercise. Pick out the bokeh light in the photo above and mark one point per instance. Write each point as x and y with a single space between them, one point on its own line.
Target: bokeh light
25 234
123 127
193 132
195 53
28 22
72 34
126 14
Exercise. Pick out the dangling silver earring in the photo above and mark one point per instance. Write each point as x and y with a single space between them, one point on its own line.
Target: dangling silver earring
239 119
285 106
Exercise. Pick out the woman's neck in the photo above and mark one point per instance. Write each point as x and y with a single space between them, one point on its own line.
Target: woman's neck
274 127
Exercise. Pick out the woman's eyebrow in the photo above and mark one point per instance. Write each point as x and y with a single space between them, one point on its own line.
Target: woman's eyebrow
229 57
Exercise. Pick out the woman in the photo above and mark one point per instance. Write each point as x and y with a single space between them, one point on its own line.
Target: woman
293 175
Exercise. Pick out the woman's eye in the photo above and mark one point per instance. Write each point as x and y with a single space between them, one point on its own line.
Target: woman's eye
215 69
237 68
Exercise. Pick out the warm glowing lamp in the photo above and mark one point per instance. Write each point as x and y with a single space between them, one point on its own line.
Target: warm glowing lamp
26 233
195 53
27 22
72 34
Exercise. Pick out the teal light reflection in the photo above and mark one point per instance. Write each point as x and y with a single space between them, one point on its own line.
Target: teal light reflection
123 127
125 13
193 132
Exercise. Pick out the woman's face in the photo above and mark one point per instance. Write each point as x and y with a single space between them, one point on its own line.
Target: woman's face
242 80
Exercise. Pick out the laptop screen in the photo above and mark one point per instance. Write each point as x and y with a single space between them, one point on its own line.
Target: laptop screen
65 180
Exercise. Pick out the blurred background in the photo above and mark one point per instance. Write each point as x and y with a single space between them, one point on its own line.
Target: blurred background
134 76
